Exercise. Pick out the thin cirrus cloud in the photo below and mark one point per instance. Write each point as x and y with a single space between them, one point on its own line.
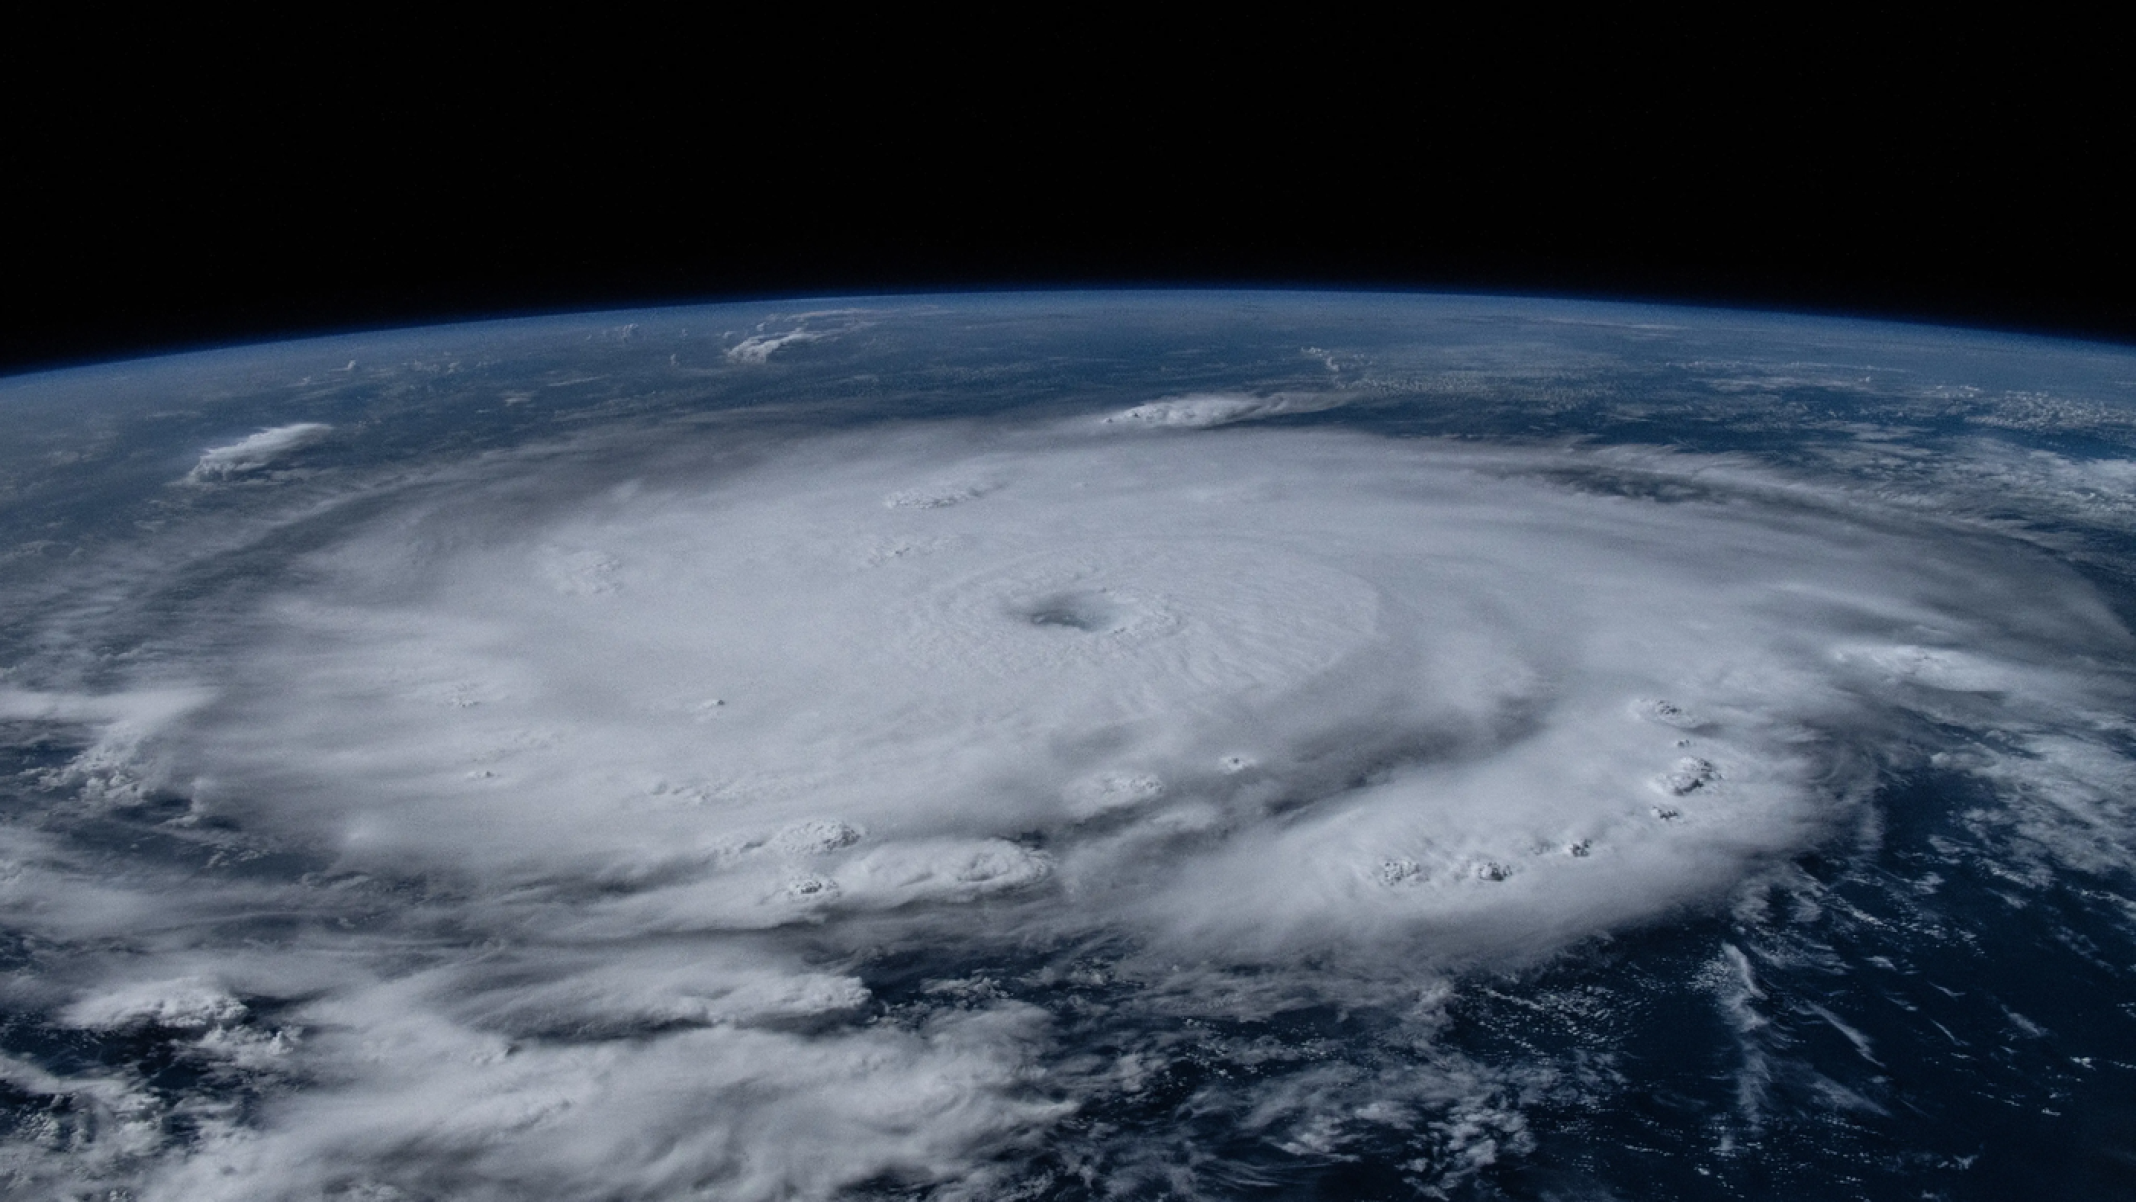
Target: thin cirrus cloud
601 801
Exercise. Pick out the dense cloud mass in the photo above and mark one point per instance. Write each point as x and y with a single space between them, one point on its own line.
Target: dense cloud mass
588 821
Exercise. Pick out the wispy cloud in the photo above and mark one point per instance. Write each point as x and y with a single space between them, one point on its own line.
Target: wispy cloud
776 334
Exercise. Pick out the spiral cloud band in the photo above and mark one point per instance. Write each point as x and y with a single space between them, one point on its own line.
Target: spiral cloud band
586 822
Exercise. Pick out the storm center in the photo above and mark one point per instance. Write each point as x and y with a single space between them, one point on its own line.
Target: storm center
1089 611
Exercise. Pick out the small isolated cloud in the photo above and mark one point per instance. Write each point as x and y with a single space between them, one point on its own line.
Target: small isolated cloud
251 454
760 346
1201 410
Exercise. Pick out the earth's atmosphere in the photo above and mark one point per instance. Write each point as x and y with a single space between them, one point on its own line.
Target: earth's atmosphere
1071 746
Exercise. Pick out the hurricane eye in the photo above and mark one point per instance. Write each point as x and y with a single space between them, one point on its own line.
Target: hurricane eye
1090 612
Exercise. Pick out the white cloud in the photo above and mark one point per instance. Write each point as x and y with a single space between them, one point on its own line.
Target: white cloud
1202 410
255 452
185 1003
430 1105
110 768
760 346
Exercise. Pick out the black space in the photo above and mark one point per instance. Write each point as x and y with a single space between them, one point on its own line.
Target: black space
224 202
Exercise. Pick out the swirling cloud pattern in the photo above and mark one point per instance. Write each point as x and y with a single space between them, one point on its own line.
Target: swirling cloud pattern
828 812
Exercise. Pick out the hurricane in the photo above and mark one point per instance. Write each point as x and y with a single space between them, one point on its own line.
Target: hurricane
1062 748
